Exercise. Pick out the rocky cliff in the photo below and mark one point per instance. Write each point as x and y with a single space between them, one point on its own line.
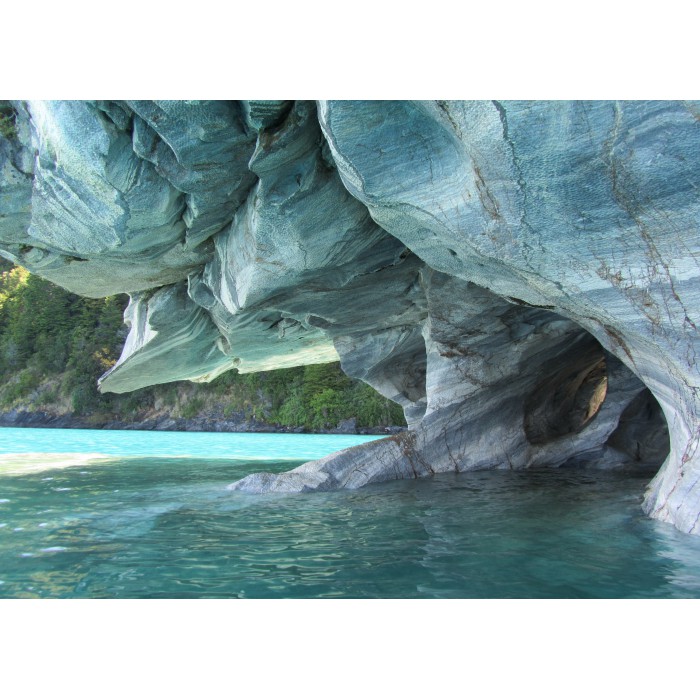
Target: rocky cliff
522 277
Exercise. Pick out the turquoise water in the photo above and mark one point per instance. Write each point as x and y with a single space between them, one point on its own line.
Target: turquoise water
117 525
144 443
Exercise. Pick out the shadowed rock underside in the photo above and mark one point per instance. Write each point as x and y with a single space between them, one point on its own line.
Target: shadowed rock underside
521 277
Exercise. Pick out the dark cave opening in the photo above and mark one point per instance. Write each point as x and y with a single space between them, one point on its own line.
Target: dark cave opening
568 400
642 432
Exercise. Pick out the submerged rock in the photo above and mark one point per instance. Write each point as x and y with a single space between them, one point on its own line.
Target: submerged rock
521 277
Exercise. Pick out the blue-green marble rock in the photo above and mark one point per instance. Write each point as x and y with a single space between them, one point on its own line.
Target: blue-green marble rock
497 268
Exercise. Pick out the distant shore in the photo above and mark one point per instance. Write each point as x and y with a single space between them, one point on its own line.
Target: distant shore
43 419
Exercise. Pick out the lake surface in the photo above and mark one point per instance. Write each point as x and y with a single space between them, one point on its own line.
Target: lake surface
125 514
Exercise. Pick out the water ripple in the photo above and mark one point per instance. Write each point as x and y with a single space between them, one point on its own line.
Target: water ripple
161 528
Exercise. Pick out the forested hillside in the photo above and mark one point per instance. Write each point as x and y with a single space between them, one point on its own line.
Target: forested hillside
54 345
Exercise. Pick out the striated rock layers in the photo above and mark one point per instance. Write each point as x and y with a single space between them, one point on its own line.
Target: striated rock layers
522 277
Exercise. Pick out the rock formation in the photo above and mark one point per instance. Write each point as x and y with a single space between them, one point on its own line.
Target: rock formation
522 277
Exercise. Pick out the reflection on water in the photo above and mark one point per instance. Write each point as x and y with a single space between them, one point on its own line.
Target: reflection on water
169 528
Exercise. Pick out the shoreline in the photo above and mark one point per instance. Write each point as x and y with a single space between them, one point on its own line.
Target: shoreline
42 419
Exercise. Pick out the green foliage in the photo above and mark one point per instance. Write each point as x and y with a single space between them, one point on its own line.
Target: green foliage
326 408
320 396
192 408
293 411
48 330
48 334
7 126
48 396
20 386
7 120
129 406
371 408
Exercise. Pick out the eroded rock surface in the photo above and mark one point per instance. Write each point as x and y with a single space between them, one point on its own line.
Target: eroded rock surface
522 277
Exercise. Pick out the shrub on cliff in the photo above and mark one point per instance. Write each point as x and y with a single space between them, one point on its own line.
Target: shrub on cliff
47 332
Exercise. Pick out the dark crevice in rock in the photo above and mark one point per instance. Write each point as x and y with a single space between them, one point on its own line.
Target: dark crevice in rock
565 402
642 432
521 302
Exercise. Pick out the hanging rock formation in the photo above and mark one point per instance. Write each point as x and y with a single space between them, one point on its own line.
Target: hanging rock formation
522 277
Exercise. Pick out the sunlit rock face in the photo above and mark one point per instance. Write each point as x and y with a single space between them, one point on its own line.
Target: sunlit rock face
522 277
